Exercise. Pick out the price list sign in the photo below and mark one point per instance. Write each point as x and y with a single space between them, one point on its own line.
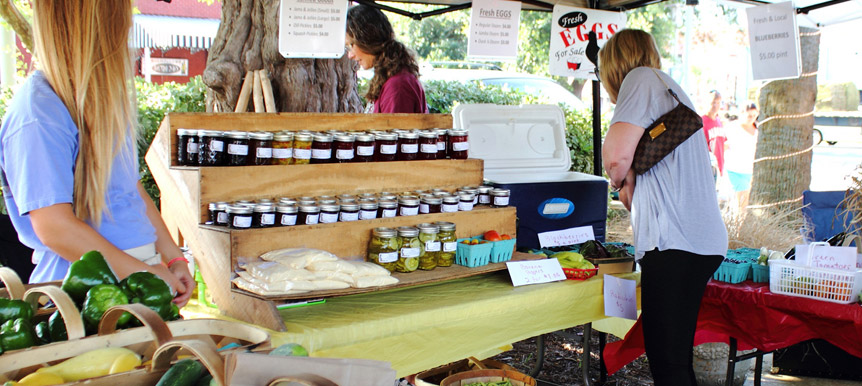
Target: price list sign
312 28
774 40
494 29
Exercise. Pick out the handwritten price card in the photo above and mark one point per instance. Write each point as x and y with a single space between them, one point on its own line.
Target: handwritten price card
620 297
843 258
535 271
569 236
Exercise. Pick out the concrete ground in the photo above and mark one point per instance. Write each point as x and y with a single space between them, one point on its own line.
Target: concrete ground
769 379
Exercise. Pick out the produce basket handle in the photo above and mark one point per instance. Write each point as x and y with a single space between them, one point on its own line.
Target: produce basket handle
14 286
203 350
71 316
161 332
811 250
304 379
475 361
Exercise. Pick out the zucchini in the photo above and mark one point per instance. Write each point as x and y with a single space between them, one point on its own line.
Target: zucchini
183 373
205 380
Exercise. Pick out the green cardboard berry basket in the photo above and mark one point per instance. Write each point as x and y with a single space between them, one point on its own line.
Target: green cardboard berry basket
502 250
760 273
732 273
473 255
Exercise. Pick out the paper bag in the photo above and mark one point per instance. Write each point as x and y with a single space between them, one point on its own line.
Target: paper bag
255 369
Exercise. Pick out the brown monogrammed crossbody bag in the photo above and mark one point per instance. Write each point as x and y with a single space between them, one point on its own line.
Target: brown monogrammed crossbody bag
665 134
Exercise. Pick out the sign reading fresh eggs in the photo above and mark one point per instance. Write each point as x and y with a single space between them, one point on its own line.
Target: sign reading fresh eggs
494 29
570 28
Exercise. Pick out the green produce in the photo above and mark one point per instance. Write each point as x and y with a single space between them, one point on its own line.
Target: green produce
616 251
42 332
57 327
184 373
205 380
15 309
98 300
572 260
88 272
17 334
150 290
594 250
290 350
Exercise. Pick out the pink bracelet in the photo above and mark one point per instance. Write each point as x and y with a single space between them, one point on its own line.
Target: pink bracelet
176 259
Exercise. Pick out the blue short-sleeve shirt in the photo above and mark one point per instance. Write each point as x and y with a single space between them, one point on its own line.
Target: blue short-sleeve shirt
38 149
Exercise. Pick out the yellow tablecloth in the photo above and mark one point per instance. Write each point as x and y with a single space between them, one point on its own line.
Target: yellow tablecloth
423 327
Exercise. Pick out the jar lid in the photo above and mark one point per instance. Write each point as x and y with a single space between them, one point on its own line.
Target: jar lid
210 133
346 197
386 136
262 208
457 132
408 231
441 194
450 199
283 136
334 131
282 208
428 134
344 137
238 209
368 205
264 201
428 228
213 206
244 202
432 200
237 134
441 131
309 208
409 200
364 137
368 195
408 135
330 207
435 190
261 135
220 205
349 206
327 201
445 226
466 196
322 137
484 189
286 200
388 197
368 199
326 197
386 233
500 192
305 137
307 202
387 204
187 132
468 188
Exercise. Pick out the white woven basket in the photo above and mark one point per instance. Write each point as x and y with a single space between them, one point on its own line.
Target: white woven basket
788 277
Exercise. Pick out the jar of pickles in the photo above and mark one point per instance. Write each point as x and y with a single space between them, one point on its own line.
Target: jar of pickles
386 147
321 149
367 210
260 148
387 209
187 147
282 148
237 148
458 145
450 204
408 206
239 216
448 242
302 148
263 216
427 145
211 148
430 246
364 148
384 247
345 148
286 214
500 198
408 146
411 249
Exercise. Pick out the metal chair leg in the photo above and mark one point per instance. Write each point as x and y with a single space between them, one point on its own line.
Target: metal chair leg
585 357
603 371
540 356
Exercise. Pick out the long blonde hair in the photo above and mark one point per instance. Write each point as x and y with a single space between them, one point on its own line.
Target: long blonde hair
626 50
82 48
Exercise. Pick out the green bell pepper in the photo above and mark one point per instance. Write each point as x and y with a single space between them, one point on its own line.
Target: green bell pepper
42 333
98 300
150 290
91 270
57 327
15 309
17 334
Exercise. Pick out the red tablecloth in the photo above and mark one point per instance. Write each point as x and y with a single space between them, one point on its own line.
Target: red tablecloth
757 318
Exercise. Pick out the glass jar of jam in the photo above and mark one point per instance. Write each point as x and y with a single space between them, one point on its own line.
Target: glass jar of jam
442 138
260 148
321 149
346 198
448 243
427 145
302 148
430 246
239 216
383 247
385 147
430 204
364 148
465 201
367 195
306 201
458 145
237 148
472 190
282 148
263 216
500 198
349 212
387 209
286 214
287 201
408 206
450 204
218 215
329 213
345 150
484 195
367 210
211 148
187 147
386 196
308 215
411 249
408 146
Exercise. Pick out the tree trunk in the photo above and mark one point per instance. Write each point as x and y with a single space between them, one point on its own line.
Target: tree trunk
247 40
779 180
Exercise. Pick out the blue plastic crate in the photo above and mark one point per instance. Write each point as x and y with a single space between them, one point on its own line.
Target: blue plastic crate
473 255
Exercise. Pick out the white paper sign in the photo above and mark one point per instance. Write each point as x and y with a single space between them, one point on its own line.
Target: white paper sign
620 297
774 41
535 271
312 28
569 29
569 236
494 29
843 258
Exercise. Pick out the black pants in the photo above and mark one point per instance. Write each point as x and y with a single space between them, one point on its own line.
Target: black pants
672 285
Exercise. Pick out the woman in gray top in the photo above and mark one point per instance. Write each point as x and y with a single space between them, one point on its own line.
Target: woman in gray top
680 238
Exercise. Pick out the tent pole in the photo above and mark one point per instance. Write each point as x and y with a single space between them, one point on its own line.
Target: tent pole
597 128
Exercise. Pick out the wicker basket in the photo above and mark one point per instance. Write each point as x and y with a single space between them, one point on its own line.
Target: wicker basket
488 375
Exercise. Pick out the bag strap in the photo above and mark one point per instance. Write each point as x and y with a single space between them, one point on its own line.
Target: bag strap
672 93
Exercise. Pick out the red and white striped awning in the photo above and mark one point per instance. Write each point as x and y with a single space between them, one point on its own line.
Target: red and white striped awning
157 31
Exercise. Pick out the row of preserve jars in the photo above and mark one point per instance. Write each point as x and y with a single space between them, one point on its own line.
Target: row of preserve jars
240 148
405 249
344 208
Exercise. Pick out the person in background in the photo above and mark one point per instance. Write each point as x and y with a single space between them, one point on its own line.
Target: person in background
395 87
680 238
712 128
68 156
740 148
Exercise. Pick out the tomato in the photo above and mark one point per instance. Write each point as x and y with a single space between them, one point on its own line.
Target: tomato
506 237
492 236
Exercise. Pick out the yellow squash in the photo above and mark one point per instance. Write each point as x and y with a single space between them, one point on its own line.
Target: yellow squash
95 363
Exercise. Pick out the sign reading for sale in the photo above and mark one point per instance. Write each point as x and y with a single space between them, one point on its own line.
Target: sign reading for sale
570 49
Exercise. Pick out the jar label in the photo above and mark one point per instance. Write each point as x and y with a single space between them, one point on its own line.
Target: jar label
388 257
449 208
441 146
348 216
221 218
408 253
410 148
460 146
192 147
237 149
484 199
429 148
501 201
423 208
264 152
302 153
367 214
326 218
389 213
282 153
267 219
388 149
344 154
409 211
465 206
216 145
365 150
241 221
321 153
450 246
432 246
312 219
288 219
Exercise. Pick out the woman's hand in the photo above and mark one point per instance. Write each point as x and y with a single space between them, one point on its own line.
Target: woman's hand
628 189
177 286
180 269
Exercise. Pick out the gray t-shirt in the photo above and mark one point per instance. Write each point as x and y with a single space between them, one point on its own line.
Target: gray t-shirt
674 204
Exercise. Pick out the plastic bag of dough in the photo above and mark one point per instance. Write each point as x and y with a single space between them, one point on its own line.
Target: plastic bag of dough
274 272
304 285
334 275
365 268
374 281
330 284
263 288
337 265
298 258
